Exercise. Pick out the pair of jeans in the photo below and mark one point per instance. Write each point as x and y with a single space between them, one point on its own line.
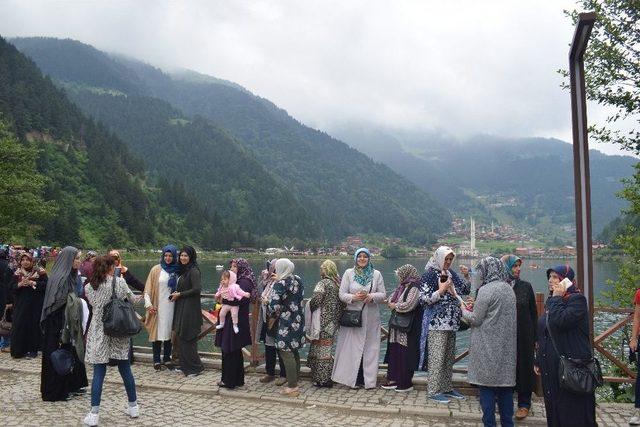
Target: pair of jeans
156 351
524 400
291 360
488 398
5 342
270 355
100 370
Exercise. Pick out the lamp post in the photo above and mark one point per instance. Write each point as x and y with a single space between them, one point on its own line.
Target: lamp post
581 179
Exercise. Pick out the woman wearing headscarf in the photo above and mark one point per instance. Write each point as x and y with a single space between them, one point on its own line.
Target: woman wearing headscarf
527 333
267 279
161 283
402 351
440 322
568 323
187 317
28 285
5 297
286 305
492 350
326 300
358 348
227 340
61 283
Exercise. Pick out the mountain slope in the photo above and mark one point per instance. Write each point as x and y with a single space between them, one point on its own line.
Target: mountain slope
344 191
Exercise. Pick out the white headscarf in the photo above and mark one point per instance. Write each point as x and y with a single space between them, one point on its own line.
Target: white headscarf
437 260
284 268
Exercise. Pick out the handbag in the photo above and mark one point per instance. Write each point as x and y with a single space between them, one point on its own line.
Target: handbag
62 361
402 322
353 318
118 317
5 325
580 376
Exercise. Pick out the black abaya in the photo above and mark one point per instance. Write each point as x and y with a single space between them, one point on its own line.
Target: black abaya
54 387
26 336
233 369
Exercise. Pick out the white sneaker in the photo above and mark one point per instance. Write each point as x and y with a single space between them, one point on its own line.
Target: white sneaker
133 411
91 419
220 326
235 329
635 420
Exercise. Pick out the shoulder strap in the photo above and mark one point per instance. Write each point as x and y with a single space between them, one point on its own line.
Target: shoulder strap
113 287
551 335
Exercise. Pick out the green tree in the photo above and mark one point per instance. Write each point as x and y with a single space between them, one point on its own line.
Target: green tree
22 207
394 251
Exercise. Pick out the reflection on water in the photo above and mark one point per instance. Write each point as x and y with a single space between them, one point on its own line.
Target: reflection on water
309 271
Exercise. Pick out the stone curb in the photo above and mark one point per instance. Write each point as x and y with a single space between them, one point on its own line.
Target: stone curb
440 413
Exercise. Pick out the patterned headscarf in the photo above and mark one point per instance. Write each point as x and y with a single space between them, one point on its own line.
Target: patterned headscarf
509 261
407 274
436 262
172 269
33 274
329 270
363 276
491 269
244 270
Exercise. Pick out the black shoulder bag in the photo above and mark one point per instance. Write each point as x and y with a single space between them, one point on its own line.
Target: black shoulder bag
118 316
353 318
580 376
402 322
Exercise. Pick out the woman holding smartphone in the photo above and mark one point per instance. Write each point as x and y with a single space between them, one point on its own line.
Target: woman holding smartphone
440 322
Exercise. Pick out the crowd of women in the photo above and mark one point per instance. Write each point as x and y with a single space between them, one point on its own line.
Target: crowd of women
509 343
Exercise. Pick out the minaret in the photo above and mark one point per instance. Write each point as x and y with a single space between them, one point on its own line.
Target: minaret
473 236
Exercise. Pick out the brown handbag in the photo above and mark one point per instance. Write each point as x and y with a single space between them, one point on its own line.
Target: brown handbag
5 325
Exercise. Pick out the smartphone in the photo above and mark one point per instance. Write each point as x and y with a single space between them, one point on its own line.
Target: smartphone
566 283
444 278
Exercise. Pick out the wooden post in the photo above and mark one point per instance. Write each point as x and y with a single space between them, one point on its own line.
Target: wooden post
540 303
581 177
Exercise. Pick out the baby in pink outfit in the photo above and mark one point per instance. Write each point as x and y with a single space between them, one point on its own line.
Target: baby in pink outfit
231 294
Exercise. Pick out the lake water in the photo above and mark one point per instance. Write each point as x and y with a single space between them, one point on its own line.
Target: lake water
309 271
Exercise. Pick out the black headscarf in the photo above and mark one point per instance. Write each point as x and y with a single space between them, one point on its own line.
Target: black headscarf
192 259
60 282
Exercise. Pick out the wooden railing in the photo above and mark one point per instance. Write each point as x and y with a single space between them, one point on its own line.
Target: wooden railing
256 357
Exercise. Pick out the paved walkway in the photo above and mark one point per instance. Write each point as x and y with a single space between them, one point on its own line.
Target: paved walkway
170 398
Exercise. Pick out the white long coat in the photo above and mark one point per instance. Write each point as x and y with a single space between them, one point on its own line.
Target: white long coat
355 344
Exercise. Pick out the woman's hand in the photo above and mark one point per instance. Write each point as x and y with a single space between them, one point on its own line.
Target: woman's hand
368 298
174 296
470 301
558 290
633 344
359 296
392 305
152 310
536 370
443 287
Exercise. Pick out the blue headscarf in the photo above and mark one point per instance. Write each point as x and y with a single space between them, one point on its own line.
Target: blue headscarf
363 276
509 261
173 268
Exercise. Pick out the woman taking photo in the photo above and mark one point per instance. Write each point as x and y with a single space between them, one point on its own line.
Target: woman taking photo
565 321
187 317
326 299
28 285
286 308
227 340
101 348
527 333
361 289
161 283
402 351
61 283
440 322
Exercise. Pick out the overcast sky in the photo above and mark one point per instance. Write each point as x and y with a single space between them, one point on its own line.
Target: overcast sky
464 67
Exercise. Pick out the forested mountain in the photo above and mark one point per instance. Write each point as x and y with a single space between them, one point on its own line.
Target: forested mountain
93 185
527 180
342 190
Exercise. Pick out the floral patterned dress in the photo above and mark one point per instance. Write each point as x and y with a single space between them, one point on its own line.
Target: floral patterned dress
326 299
287 303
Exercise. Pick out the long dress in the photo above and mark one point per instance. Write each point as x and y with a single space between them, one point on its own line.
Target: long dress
26 336
325 298
187 321
527 313
156 294
231 343
359 345
54 387
570 327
